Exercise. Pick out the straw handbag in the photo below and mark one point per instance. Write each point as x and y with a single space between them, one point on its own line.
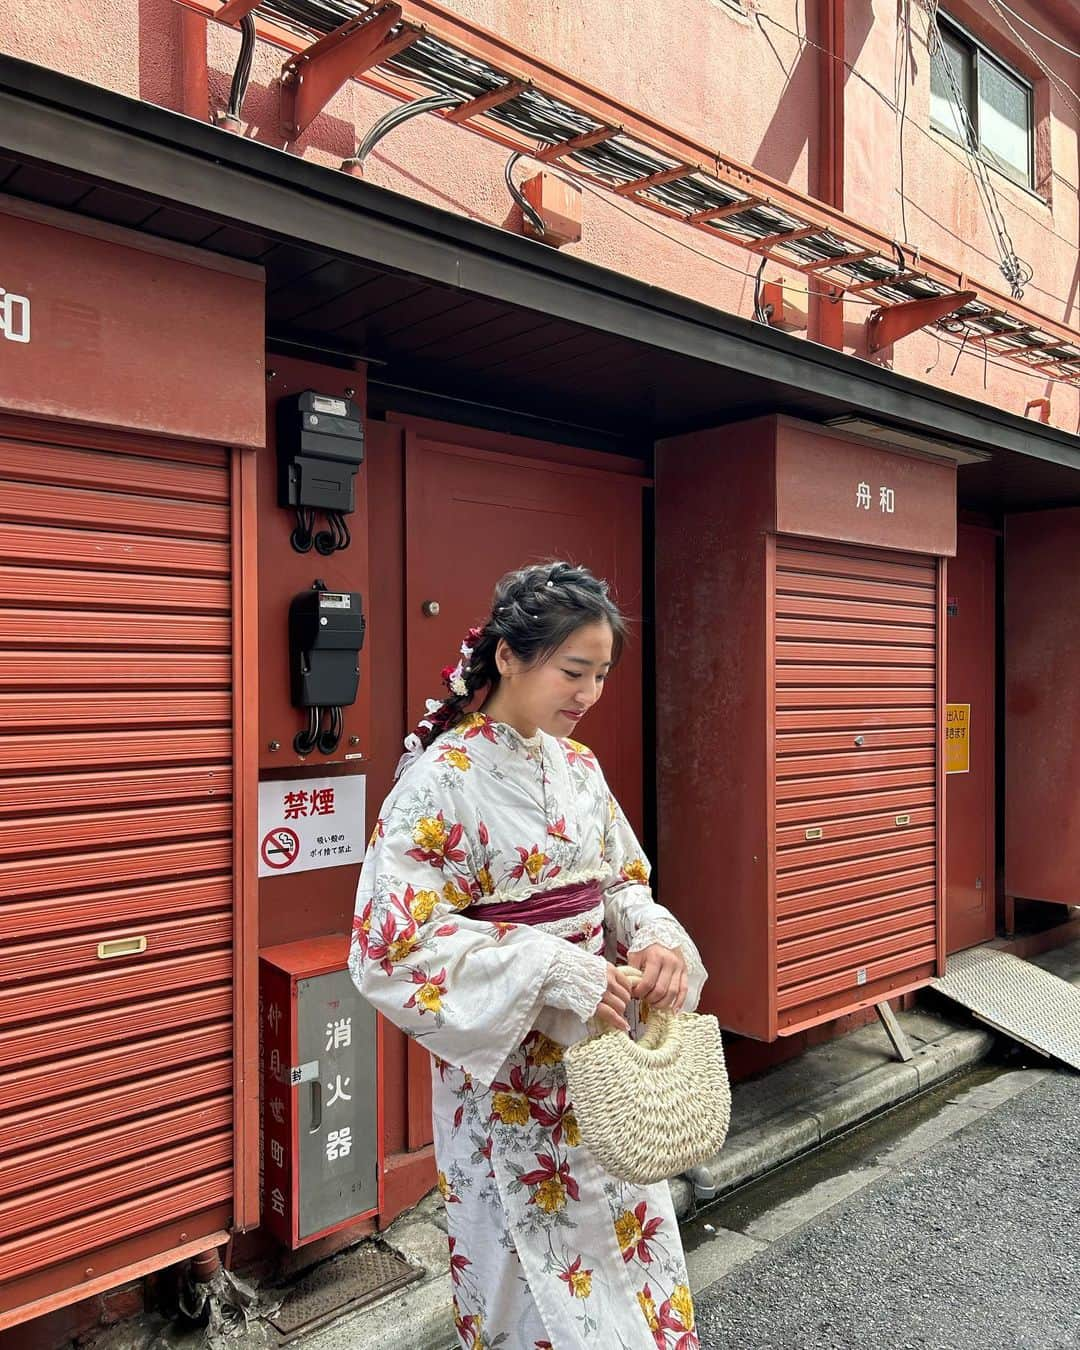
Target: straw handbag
649 1109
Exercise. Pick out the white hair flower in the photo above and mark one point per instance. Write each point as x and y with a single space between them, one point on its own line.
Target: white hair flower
413 750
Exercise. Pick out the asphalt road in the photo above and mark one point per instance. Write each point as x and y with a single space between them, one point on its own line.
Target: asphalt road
969 1243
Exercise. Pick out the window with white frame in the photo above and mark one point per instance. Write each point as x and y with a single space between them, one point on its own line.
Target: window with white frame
982 102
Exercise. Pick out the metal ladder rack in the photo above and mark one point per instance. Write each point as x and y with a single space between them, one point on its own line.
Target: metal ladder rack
409 48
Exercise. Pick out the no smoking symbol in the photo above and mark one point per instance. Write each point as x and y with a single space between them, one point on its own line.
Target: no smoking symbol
280 848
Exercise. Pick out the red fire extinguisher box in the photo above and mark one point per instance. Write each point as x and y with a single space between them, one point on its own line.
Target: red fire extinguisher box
320 1137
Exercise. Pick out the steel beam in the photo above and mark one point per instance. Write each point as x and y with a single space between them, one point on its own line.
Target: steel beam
311 78
235 10
892 322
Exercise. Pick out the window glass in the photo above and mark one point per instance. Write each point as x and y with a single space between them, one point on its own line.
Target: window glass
1004 118
944 111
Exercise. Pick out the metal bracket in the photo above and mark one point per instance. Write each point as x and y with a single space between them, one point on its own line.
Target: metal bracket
869 261
485 102
654 180
311 78
890 323
894 280
719 212
771 241
895 1032
582 142
234 10
844 260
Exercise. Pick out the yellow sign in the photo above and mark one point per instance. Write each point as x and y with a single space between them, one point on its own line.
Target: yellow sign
957 737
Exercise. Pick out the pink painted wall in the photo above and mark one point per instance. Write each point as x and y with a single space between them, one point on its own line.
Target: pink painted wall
943 213
751 86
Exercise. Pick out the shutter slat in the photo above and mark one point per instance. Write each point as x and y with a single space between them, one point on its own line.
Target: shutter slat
45 547
121 672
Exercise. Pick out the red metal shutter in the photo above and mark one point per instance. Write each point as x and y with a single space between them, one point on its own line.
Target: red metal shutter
856 790
116 1072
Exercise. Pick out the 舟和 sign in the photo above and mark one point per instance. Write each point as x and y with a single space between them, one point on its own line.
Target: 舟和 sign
310 822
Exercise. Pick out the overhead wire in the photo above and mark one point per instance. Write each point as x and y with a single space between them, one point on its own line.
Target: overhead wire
762 312
1012 367
1055 79
893 106
531 214
1016 271
1045 36
644 221
941 335
549 121
242 72
404 112
901 74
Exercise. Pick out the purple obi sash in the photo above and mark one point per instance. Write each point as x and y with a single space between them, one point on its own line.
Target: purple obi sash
561 903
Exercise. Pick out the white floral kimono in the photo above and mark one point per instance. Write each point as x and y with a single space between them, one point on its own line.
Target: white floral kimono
546 1248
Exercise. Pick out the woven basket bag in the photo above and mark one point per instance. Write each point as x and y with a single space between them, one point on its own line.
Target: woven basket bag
651 1108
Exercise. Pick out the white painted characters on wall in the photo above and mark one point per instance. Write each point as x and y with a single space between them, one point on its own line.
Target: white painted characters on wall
14 316
886 499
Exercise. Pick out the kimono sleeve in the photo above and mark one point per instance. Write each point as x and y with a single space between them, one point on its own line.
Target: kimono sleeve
632 918
468 990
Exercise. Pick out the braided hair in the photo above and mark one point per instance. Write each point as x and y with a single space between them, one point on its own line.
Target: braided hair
534 610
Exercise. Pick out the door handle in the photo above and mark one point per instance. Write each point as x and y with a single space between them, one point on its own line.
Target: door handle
316 1107
126 946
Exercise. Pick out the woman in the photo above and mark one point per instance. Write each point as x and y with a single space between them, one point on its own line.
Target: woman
501 882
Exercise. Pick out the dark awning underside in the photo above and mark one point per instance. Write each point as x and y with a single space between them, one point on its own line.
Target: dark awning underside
467 318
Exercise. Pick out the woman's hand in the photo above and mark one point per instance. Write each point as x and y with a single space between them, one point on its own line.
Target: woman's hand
664 977
611 1009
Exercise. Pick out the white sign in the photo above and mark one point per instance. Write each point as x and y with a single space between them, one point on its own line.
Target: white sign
311 822
304 1073
14 316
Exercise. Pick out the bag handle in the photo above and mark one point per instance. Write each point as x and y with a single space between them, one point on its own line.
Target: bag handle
633 975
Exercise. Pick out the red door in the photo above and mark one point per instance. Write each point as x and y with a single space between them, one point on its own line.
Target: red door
472 515
969 857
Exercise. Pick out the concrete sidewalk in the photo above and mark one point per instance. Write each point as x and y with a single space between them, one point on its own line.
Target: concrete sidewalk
776 1117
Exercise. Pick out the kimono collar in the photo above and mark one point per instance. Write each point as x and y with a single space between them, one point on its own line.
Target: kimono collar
478 723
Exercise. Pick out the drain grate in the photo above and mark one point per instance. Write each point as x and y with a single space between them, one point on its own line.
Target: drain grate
340 1285
1015 997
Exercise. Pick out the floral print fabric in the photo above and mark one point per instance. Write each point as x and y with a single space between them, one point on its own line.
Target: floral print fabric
546 1248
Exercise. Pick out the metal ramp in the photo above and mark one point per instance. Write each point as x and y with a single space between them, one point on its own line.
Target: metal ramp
1017 998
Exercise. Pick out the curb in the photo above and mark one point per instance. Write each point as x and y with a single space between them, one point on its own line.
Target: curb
766 1145
421 1316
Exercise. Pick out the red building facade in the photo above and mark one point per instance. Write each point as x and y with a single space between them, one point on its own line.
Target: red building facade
784 390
